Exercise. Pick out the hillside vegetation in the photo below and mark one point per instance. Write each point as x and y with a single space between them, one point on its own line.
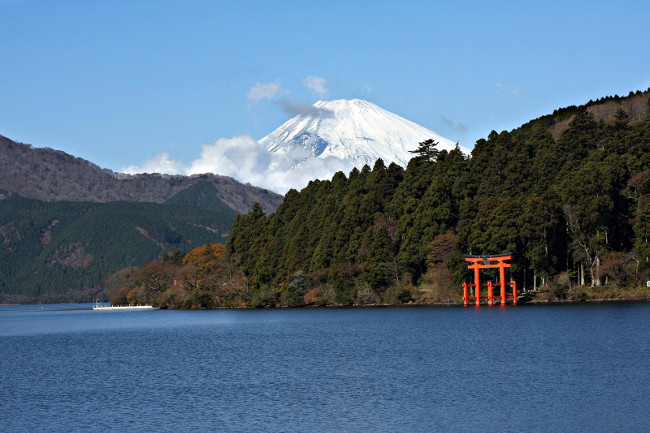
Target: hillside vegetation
66 250
567 194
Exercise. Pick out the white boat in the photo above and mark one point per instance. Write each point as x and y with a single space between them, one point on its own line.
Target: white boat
98 307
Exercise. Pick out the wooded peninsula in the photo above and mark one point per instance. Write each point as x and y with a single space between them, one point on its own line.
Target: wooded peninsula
567 194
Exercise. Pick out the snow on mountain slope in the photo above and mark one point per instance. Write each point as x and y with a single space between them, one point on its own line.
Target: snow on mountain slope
355 131
326 138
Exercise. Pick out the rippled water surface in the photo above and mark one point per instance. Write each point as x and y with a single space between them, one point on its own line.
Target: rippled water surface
577 368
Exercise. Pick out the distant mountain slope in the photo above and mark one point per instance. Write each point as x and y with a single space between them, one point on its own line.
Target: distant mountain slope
57 248
202 195
636 105
66 224
52 175
354 130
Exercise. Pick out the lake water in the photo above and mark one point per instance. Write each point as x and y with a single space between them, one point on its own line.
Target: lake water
565 368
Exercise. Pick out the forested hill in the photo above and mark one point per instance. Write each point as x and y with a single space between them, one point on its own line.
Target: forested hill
567 194
64 251
52 175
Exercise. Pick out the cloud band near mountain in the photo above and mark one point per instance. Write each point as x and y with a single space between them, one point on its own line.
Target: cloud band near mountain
247 161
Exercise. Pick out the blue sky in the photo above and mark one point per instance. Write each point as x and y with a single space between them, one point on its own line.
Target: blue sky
120 82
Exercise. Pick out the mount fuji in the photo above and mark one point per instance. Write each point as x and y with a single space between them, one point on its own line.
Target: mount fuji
327 137
353 132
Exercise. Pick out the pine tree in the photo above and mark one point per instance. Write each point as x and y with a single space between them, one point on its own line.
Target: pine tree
426 151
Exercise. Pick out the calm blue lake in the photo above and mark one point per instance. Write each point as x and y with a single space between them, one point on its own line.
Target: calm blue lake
565 368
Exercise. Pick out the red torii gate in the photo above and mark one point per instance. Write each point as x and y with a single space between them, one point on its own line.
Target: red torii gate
486 262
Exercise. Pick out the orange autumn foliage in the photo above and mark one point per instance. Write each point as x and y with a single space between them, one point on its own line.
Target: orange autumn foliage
312 296
213 251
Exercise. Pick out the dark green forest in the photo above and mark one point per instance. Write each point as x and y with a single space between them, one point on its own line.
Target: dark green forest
566 194
66 250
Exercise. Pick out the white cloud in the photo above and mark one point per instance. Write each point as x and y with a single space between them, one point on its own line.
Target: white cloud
245 160
284 174
239 157
158 164
317 84
508 90
264 91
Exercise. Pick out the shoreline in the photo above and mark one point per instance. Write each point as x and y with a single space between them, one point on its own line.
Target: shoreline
532 301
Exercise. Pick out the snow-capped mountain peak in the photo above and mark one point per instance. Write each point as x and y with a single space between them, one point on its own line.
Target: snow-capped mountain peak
356 131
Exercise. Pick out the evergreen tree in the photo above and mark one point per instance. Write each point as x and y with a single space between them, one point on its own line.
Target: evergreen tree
426 151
